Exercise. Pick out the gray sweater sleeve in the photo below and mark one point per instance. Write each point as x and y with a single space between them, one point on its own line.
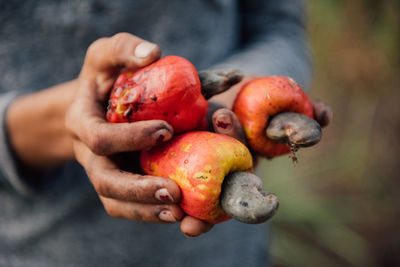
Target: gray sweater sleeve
273 41
9 176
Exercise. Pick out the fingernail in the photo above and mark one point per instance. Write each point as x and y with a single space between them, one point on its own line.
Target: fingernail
189 236
144 49
224 122
166 216
163 195
162 135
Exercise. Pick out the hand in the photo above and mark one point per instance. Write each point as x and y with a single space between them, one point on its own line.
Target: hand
322 113
97 143
307 131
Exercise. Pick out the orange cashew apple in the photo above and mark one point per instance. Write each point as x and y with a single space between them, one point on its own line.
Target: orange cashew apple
199 162
276 116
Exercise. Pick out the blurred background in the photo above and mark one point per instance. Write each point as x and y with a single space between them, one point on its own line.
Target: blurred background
340 205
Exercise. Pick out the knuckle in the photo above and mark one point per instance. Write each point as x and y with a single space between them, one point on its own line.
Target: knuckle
110 210
97 144
93 48
136 215
94 143
133 194
70 120
118 42
100 187
138 190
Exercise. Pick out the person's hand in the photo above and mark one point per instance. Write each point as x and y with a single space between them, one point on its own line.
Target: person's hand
99 146
97 142
322 112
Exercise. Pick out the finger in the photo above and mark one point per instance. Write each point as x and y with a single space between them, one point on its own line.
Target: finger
120 50
87 123
86 120
217 81
193 227
106 138
322 112
225 122
111 182
142 212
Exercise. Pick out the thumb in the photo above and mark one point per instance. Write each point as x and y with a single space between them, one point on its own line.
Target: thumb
120 50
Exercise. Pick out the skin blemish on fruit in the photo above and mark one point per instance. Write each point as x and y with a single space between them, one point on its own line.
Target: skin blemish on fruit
129 97
186 148
201 187
244 203
201 176
208 168
118 91
128 112
109 105
165 114
153 167
136 106
186 161
153 97
129 74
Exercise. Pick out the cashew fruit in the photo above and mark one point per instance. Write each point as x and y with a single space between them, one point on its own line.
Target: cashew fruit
166 90
261 100
198 162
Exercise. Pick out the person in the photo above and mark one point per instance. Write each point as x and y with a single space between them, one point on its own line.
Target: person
52 214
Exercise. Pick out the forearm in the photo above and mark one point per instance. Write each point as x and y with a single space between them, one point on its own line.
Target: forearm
36 127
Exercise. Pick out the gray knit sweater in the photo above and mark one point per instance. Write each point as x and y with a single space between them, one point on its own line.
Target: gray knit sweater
43 43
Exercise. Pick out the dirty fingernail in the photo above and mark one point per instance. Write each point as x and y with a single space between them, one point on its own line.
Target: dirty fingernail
144 49
162 135
189 235
223 123
166 216
163 195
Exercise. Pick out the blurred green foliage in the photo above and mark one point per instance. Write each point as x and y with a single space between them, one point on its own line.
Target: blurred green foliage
340 205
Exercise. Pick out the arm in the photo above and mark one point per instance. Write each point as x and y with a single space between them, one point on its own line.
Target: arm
94 142
36 128
33 137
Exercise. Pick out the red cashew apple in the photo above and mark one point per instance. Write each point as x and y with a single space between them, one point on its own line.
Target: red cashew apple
276 115
164 90
199 162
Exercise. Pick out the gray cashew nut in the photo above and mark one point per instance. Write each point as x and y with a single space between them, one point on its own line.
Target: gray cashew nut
242 198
